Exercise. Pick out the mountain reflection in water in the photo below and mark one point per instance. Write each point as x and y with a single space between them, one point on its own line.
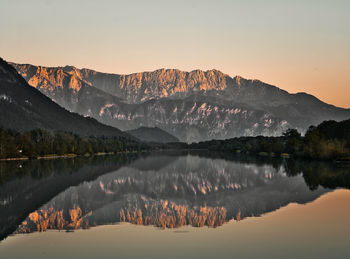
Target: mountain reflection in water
165 190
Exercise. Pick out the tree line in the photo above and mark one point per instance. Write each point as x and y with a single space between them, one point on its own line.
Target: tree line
40 142
329 140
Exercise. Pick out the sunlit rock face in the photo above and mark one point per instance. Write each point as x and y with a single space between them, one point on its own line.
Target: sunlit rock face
171 192
196 105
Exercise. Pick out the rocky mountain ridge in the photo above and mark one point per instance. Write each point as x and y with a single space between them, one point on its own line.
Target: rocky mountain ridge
144 86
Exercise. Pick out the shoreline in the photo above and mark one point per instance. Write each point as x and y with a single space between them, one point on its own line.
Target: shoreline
260 154
59 156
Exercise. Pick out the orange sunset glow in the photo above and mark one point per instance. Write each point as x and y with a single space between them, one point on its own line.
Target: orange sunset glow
299 46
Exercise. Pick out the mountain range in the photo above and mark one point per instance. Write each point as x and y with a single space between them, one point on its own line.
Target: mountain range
193 106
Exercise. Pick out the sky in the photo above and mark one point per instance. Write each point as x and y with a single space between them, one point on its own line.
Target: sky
299 46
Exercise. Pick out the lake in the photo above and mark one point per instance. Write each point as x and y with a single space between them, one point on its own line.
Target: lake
174 205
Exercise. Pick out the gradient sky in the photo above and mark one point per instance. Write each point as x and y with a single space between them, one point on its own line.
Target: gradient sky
299 46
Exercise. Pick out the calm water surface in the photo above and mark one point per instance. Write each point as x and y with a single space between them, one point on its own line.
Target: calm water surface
171 205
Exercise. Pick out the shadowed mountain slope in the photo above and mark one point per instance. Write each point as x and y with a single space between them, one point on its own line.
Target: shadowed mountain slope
153 135
25 108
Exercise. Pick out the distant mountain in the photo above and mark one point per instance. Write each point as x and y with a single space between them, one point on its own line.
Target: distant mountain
194 106
153 135
25 108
